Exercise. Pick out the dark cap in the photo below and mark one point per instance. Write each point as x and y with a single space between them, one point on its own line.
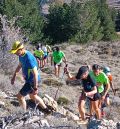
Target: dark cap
96 67
81 71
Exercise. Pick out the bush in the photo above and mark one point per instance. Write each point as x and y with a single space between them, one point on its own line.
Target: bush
31 20
62 101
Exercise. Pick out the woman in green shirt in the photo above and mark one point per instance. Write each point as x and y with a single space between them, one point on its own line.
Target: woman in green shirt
57 57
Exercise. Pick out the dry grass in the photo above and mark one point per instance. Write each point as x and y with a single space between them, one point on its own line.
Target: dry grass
52 82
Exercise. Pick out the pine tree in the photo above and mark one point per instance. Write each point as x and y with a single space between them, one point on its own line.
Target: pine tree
107 23
90 28
31 22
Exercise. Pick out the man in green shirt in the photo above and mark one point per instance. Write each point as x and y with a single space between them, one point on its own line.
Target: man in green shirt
101 80
57 57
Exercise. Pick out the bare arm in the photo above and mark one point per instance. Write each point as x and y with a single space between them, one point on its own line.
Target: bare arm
107 88
70 77
35 76
15 73
64 59
94 91
112 86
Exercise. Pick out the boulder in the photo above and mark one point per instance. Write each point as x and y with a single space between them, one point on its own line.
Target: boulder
50 102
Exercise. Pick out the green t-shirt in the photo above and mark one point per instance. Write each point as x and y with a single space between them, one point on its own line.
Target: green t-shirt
101 78
38 53
57 56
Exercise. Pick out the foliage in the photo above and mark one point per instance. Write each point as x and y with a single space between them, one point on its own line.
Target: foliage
62 101
59 27
31 22
107 23
1 6
90 28
77 22
118 21
81 22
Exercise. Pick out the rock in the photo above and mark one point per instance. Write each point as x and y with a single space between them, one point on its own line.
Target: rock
72 116
118 125
3 95
62 111
115 100
50 102
2 104
103 124
44 123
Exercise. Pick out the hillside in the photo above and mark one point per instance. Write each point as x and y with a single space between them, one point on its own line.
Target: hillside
103 53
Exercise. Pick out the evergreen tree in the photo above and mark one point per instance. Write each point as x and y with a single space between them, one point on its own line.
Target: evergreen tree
31 22
63 22
107 23
90 28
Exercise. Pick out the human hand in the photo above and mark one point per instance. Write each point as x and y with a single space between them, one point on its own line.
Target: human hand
35 91
98 84
66 69
12 80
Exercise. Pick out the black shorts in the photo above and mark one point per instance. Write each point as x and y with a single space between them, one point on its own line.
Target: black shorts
27 89
60 64
102 94
39 58
96 97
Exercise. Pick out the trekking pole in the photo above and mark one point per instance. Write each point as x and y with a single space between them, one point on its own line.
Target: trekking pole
65 68
61 80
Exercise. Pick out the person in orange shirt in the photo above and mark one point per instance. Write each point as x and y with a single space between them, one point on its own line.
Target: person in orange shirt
107 71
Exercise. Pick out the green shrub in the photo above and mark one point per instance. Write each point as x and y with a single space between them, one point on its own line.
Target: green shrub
62 101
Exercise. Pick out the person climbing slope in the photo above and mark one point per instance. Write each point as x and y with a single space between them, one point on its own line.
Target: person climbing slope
39 54
107 71
101 80
89 91
29 66
57 57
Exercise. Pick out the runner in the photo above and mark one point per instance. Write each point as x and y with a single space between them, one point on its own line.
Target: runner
89 91
39 54
49 50
107 71
44 48
57 57
101 80
28 64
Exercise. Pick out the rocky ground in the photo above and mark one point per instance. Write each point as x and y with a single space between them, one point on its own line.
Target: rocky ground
105 54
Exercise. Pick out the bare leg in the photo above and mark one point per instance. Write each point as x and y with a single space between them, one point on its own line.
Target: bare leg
91 108
96 108
59 70
100 103
81 107
37 99
56 70
40 63
44 62
22 101
107 101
